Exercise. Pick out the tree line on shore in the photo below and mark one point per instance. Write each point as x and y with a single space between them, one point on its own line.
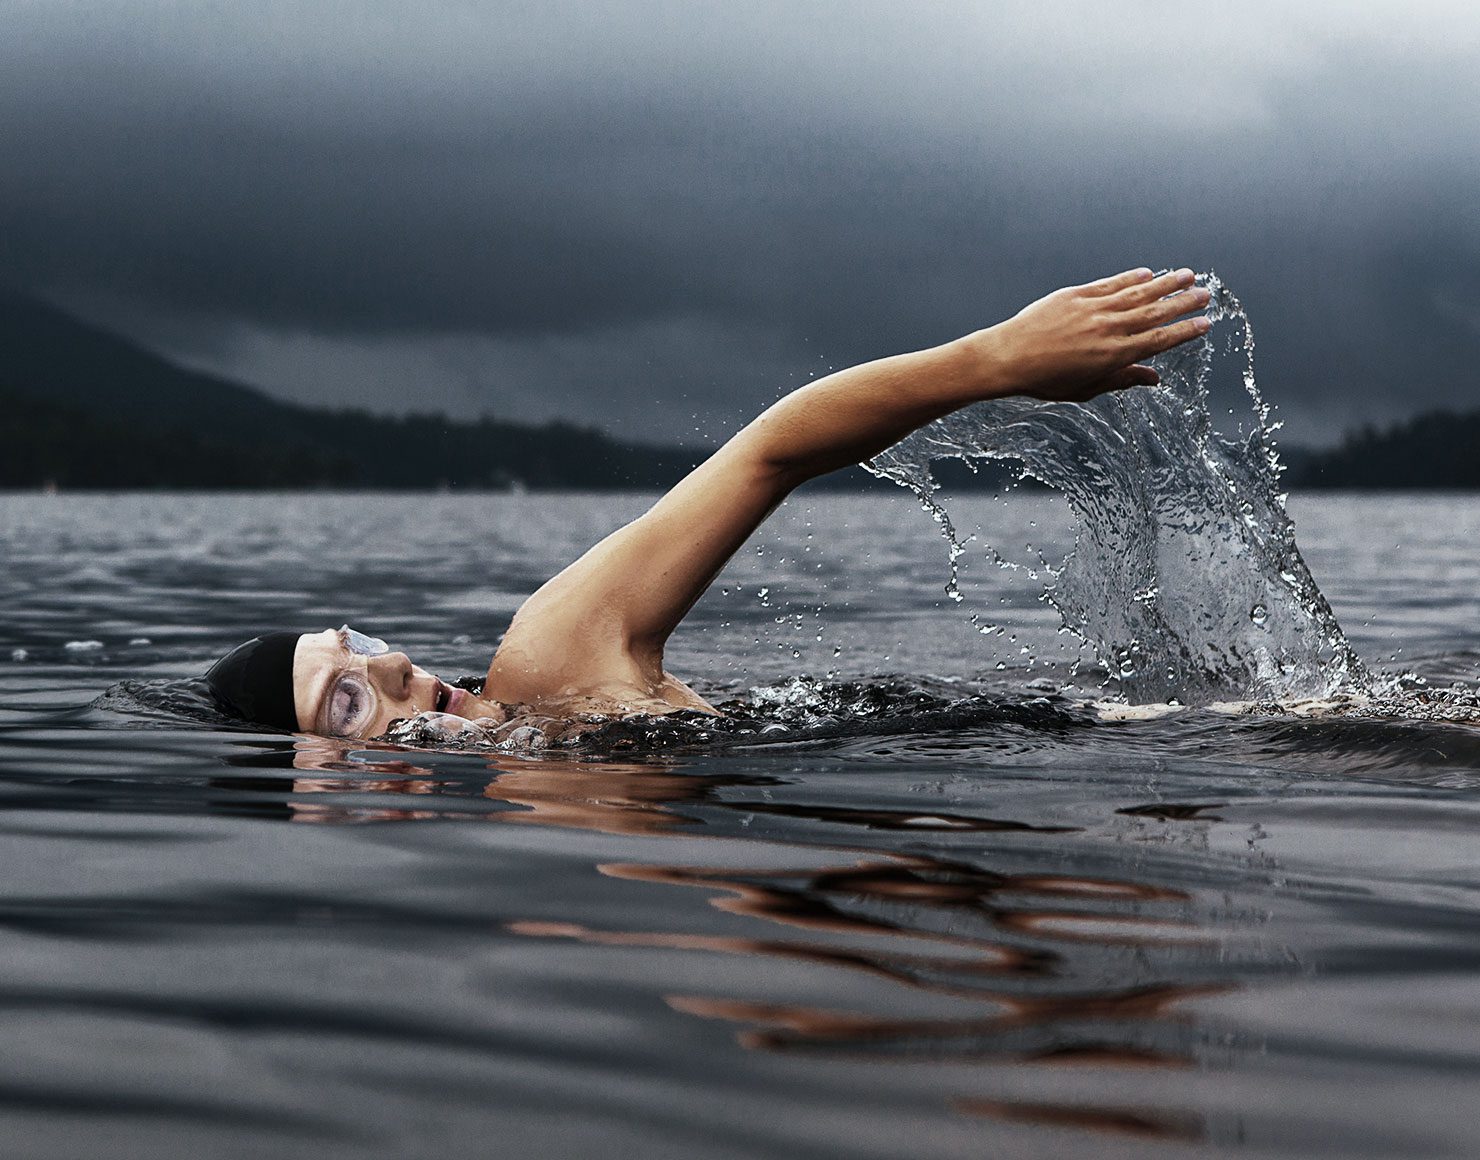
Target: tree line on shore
84 409
50 445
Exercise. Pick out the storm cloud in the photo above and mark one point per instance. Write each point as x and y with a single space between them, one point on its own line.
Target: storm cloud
656 217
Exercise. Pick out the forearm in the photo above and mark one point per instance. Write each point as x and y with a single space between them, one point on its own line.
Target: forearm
1069 346
854 414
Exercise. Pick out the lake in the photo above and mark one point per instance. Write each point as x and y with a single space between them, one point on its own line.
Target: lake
933 902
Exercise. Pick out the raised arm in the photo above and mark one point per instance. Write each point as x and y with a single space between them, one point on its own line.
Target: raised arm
606 618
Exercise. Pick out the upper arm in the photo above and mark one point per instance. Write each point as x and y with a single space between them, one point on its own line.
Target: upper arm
607 616
620 601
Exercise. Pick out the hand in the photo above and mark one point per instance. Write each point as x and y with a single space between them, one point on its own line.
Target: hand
1082 341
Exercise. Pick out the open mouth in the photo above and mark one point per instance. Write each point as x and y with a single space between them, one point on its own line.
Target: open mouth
444 696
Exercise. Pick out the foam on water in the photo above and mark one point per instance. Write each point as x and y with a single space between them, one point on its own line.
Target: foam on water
1185 578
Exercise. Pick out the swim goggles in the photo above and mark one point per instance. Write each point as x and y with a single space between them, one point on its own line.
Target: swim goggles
351 704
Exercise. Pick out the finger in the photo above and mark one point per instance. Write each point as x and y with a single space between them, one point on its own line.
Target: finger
1121 380
1118 282
1166 337
1137 376
1127 377
1159 287
1164 310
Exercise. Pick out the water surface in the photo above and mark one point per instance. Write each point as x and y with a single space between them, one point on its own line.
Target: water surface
935 905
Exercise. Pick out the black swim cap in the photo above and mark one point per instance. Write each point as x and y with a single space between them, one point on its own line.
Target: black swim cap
254 681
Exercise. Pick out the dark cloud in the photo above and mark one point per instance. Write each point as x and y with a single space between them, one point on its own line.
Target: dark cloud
658 216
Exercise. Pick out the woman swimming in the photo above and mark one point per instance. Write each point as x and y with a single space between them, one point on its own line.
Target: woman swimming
591 639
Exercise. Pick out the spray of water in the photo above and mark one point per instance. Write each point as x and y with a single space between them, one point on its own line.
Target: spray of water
1185 579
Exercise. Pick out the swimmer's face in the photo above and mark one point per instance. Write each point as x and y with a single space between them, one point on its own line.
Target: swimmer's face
341 692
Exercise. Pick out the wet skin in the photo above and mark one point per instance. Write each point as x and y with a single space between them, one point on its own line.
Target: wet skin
390 688
591 639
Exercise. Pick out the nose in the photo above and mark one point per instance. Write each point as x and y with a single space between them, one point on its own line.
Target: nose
391 673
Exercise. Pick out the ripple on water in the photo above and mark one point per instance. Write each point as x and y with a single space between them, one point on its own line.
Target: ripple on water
871 915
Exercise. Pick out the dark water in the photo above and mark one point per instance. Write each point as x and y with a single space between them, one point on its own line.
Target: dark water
935 905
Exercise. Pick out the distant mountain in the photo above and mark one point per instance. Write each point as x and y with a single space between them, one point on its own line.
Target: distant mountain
49 354
86 408
83 408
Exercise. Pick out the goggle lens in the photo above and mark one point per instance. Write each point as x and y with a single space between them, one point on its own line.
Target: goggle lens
352 704
360 644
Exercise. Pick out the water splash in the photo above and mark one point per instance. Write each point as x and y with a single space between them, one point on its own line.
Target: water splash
1185 579
799 711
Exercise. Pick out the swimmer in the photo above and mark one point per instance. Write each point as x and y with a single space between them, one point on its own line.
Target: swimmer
591 639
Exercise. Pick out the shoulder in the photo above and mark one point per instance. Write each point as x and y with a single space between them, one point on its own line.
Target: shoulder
564 667
559 649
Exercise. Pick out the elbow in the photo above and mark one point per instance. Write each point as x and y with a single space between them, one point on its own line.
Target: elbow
778 451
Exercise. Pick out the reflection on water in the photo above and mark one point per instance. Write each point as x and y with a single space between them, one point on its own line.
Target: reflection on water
1115 1121
928 906
1021 954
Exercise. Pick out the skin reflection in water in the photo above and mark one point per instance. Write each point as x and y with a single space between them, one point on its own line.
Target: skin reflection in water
326 756
1006 943
1114 1121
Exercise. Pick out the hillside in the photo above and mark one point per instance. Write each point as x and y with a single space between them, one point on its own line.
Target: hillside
86 408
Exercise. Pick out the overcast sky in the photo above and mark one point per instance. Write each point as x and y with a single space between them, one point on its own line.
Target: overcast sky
656 216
